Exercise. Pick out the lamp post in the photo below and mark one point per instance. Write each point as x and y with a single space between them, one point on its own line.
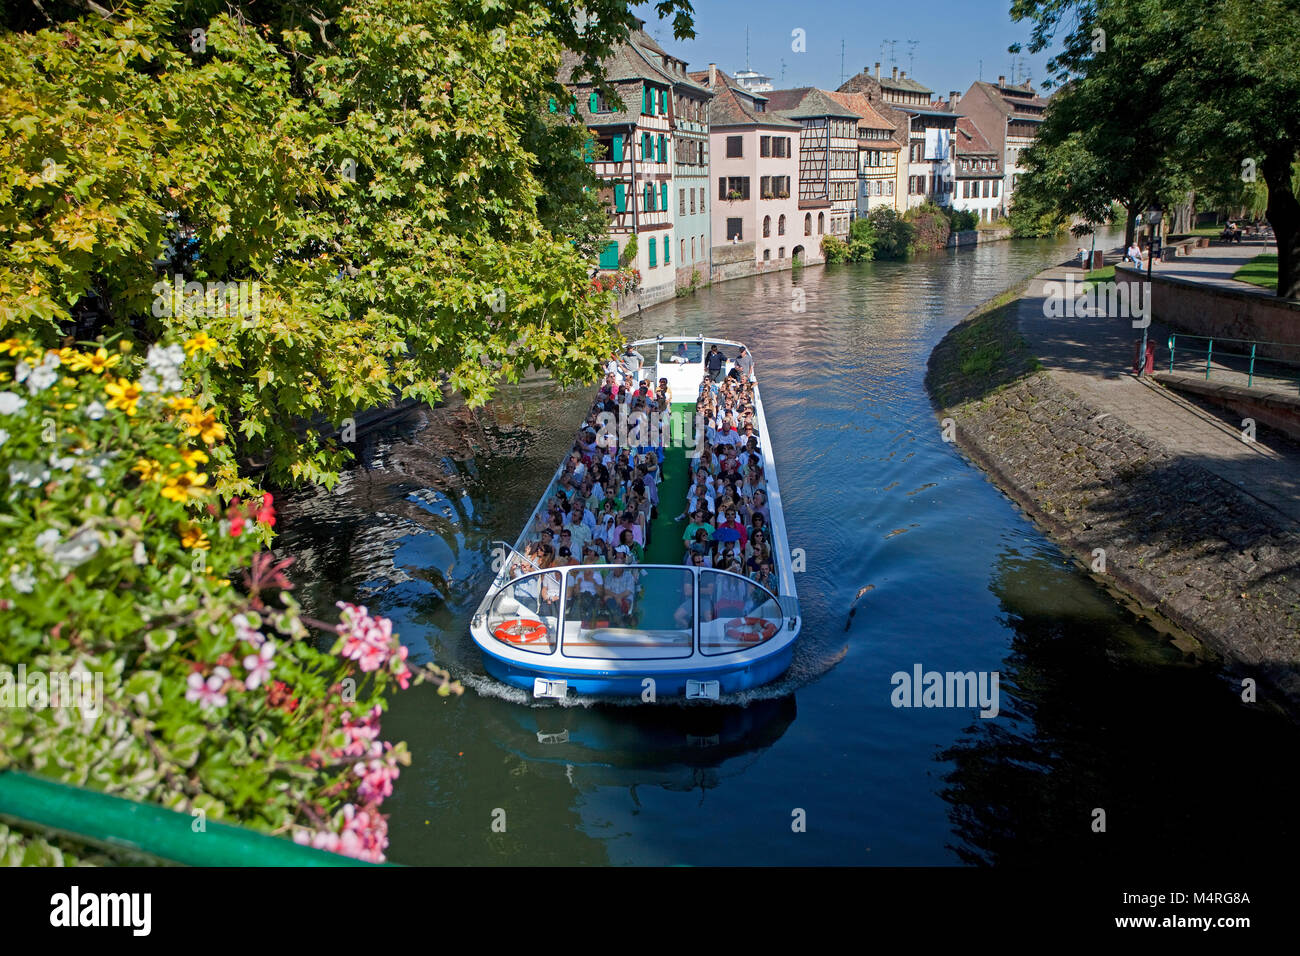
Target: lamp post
1153 220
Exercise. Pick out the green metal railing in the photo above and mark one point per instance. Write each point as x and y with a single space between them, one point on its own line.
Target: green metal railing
116 822
1245 355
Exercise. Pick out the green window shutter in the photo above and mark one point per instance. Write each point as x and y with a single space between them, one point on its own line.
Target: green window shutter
663 196
609 256
616 154
591 102
652 252
620 197
551 104
668 246
645 99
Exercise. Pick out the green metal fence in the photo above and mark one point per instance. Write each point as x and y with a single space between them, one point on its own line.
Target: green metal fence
101 819
1233 359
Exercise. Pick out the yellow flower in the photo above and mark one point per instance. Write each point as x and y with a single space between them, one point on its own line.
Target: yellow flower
125 395
192 536
205 425
194 458
200 343
98 363
185 486
180 403
148 468
14 347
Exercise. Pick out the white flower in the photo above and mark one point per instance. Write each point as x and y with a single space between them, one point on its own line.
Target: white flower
11 402
138 554
63 464
162 373
96 410
4 436
24 582
47 539
95 467
28 473
41 377
78 549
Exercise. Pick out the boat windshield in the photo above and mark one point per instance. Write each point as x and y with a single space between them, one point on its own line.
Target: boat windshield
628 613
684 353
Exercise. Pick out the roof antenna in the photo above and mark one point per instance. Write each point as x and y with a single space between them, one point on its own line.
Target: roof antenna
911 56
747 70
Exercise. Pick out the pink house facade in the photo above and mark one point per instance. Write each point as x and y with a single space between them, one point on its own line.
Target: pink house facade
754 155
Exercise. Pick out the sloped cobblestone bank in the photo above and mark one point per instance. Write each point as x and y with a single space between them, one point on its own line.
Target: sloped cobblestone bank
1184 544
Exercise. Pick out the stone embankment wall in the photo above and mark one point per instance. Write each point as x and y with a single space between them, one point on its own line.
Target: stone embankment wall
1183 543
1199 309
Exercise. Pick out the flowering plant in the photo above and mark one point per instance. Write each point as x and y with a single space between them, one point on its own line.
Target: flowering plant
122 560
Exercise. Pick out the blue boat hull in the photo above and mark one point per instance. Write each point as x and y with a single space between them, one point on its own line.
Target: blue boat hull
669 683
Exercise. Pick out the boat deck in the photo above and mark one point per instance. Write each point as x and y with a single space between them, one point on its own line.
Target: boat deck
666 545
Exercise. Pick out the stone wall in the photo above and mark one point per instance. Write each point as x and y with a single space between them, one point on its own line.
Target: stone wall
1199 309
1182 542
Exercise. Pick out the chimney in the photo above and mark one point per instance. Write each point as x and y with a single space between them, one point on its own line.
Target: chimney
895 73
952 99
713 75
956 97
903 75
877 72
1002 81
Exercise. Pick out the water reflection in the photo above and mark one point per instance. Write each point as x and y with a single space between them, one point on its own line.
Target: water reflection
938 567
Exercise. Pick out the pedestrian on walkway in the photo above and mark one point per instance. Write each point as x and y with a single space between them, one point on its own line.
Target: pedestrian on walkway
1083 259
1134 253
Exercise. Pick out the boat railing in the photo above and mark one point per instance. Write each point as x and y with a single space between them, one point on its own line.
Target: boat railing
580 612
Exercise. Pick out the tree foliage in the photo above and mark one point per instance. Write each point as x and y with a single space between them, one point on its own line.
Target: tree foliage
1181 93
387 173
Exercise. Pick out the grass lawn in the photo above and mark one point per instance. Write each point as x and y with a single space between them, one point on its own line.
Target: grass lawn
1260 271
1098 275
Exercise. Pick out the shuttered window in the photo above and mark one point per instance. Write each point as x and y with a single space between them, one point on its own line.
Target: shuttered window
609 256
668 250
616 153
620 197
653 262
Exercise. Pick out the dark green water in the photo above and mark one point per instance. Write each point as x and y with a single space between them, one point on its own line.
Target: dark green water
1097 709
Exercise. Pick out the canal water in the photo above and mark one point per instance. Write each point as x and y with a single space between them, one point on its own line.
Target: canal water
912 558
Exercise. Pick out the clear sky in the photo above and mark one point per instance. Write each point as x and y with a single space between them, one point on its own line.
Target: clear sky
952 37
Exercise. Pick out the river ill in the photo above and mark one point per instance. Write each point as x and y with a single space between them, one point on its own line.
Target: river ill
913 558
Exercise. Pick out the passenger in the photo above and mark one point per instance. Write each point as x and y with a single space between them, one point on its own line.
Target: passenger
665 395
681 356
700 522
627 543
685 613
733 522
713 362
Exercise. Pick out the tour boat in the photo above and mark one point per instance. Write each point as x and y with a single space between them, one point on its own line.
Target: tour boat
677 630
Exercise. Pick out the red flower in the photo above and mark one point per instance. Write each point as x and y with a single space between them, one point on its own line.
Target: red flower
266 513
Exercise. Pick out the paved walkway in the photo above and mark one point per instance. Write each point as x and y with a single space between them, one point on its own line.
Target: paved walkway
1216 265
1093 357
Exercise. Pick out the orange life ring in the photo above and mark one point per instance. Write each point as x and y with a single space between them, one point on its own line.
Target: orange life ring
519 631
750 630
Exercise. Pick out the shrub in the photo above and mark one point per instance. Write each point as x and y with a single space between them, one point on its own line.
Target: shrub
125 564
894 235
963 220
834 249
862 241
931 227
